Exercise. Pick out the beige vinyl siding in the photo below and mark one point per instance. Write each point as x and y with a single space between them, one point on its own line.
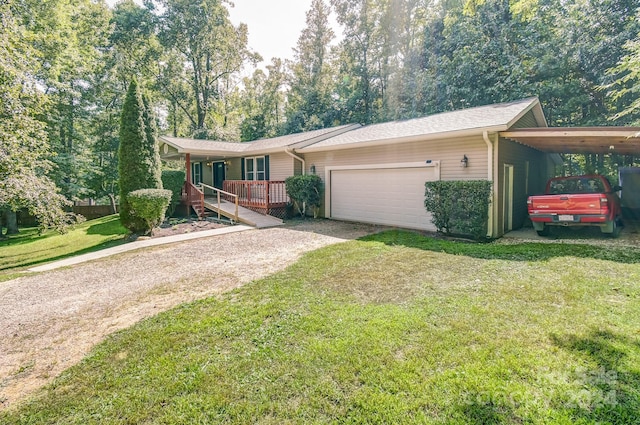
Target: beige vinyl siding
518 155
280 166
207 173
234 170
449 152
527 121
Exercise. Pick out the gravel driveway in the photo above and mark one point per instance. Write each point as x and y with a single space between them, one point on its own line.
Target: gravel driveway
50 321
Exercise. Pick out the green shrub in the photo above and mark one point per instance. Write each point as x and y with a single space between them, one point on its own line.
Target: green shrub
148 207
305 192
173 180
460 207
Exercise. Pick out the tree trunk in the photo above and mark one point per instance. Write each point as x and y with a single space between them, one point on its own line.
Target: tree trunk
2 225
11 221
112 202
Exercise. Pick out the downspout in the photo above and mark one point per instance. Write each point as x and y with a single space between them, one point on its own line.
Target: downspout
292 155
487 140
304 166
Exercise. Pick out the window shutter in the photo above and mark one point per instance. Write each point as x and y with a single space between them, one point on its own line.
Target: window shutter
266 167
242 176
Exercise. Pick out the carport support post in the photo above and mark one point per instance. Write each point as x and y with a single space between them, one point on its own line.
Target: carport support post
188 166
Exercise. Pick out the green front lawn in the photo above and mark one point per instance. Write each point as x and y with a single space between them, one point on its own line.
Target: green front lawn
394 329
28 248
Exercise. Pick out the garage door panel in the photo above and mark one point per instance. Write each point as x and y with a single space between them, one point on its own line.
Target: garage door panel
390 196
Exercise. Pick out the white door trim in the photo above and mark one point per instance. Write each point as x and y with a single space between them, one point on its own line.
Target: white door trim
328 170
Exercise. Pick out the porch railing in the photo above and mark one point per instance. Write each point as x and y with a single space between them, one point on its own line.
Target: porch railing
193 198
265 194
221 194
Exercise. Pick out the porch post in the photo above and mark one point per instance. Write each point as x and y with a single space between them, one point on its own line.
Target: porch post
188 165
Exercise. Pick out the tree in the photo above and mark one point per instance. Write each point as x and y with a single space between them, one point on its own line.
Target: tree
23 140
205 48
70 40
361 86
137 164
623 90
311 80
262 103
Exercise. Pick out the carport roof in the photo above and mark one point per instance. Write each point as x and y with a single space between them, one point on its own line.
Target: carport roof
599 140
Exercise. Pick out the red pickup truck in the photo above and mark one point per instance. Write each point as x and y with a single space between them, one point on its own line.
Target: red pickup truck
587 200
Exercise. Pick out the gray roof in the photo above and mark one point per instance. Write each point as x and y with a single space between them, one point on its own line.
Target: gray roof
497 117
196 145
258 146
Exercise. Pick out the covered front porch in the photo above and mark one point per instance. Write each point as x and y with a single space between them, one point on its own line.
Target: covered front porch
206 185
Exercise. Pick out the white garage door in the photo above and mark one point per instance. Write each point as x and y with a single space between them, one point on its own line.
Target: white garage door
390 196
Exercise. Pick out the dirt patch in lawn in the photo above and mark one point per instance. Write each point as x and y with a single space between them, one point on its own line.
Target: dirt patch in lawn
181 226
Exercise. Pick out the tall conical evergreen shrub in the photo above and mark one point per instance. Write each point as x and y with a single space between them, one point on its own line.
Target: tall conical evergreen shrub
138 156
151 141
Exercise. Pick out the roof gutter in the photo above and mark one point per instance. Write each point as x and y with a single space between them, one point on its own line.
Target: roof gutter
294 156
487 140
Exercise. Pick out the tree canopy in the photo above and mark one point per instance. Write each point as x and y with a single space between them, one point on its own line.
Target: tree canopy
65 68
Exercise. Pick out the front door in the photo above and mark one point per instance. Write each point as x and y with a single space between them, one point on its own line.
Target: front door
218 174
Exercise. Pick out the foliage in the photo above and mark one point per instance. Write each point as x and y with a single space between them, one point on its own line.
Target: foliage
391 330
137 161
309 95
624 89
305 192
148 206
459 206
69 39
173 180
23 140
262 102
205 50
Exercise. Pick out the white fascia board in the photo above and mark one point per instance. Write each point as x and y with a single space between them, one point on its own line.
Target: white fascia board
419 138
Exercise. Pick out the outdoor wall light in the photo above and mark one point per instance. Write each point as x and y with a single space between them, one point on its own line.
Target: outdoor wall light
464 162
313 169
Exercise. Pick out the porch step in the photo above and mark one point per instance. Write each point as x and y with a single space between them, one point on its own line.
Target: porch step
245 215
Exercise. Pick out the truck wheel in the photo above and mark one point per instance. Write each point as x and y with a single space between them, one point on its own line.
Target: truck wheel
545 231
612 228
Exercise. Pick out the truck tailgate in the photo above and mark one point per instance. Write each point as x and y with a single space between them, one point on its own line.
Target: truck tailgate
566 204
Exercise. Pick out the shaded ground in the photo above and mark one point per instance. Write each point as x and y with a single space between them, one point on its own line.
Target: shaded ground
51 320
629 235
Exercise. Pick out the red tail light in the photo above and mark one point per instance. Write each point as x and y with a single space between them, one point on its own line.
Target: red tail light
604 203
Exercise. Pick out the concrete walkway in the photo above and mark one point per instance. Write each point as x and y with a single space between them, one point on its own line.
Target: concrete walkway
136 245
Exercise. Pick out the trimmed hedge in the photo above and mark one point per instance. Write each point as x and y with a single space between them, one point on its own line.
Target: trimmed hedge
305 192
148 207
460 207
173 180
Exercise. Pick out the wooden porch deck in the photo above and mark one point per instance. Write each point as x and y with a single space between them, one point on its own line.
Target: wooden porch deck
252 218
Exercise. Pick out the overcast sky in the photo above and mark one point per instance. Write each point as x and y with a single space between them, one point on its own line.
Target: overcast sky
274 25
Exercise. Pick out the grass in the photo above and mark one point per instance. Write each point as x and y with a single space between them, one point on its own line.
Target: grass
396 329
28 248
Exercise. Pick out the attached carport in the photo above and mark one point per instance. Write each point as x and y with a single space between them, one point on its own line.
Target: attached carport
582 140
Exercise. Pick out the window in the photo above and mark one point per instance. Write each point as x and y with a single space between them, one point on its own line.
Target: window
255 168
